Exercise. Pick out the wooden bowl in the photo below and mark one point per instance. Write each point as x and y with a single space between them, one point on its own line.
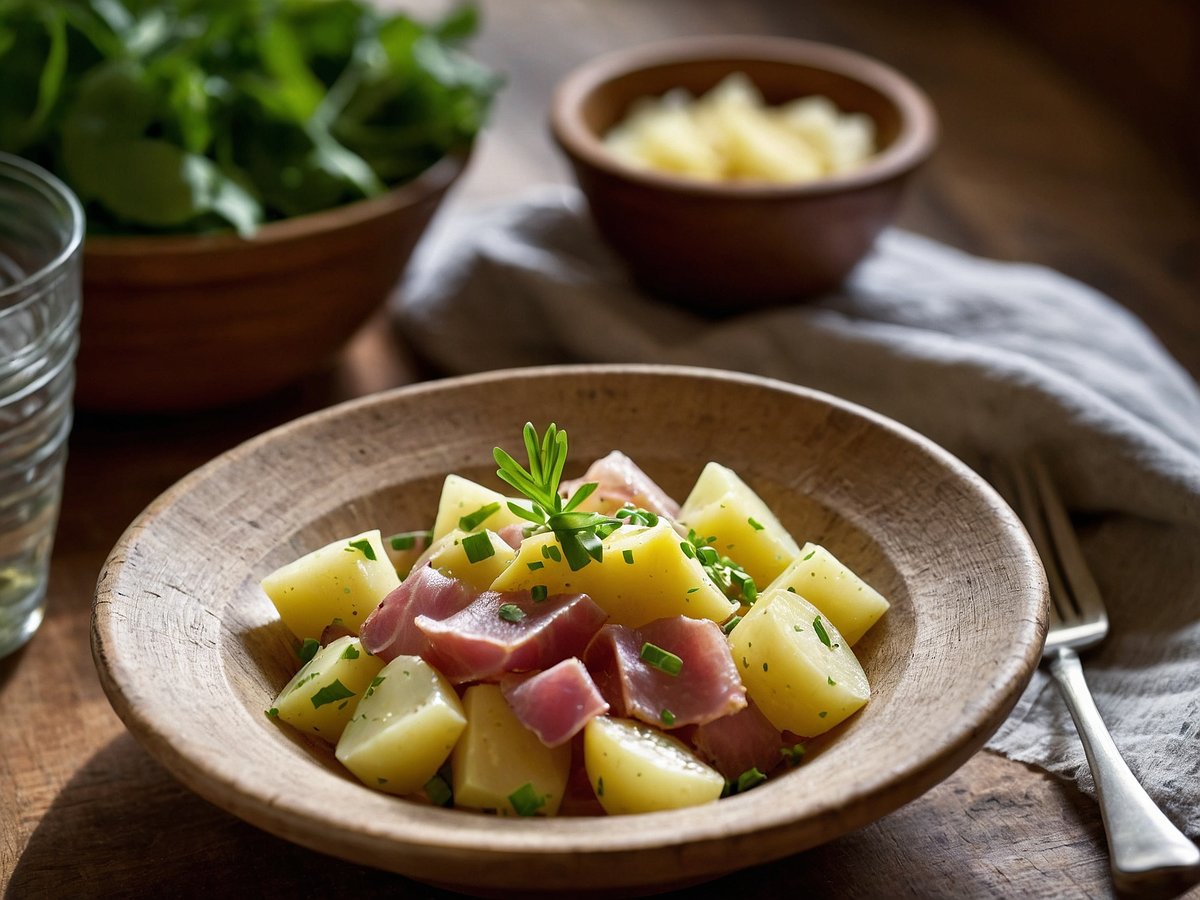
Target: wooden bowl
179 323
727 247
191 652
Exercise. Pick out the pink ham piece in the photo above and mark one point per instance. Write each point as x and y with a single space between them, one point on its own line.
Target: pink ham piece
739 742
478 644
621 482
554 704
706 688
513 534
390 630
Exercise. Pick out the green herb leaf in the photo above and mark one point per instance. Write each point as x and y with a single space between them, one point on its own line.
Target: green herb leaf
474 520
793 755
510 612
757 526
364 547
437 789
538 593
308 649
331 693
525 800
668 717
819 628
351 652
661 659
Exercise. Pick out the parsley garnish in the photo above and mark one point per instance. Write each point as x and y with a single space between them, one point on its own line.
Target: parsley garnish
273 712
637 516
525 800
510 612
580 534
478 547
819 628
307 650
661 659
331 693
474 520
364 547
351 652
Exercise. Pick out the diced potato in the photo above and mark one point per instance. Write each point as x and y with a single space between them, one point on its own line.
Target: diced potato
321 697
643 576
497 756
405 549
634 768
800 683
342 582
463 497
724 506
669 140
453 561
403 729
757 147
843 598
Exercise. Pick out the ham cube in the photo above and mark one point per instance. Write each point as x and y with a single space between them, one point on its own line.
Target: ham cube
391 631
510 632
736 743
619 483
554 704
707 686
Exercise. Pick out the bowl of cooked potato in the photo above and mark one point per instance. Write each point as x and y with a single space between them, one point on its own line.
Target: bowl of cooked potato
738 172
374 632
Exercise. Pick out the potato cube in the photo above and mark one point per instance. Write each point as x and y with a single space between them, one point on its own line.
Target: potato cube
843 598
341 582
454 561
634 768
644 575
403 729
721 505
321 697
463 497
796 666
497 756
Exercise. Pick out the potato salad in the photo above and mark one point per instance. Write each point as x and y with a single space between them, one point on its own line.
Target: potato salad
574 648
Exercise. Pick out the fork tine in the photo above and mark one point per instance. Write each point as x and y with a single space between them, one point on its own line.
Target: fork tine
1064 544
1027 500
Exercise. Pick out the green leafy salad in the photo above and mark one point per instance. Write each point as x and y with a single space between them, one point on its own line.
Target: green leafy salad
185 116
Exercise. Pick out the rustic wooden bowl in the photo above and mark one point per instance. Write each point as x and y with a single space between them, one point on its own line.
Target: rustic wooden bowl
178 323
729 247
191 652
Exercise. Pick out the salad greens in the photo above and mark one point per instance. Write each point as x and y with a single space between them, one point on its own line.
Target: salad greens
201 115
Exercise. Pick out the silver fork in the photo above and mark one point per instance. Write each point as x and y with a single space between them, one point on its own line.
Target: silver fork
1144 847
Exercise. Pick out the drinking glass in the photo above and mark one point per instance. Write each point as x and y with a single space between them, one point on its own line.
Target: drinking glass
41 236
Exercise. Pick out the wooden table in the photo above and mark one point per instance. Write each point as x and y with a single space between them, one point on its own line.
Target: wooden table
1033 166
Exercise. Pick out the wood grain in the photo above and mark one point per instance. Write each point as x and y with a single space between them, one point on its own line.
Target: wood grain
1034 164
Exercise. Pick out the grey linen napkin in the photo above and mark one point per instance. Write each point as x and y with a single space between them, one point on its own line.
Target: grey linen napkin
986 358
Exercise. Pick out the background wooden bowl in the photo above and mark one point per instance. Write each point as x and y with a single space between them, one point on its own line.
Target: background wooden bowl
727 247
179 323
191 652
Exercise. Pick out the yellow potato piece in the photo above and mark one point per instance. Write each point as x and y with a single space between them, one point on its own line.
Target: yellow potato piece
659 581
634 768
463 497
453 561
343 581
843 598
403 729
321 697
497 756
800 683
721 505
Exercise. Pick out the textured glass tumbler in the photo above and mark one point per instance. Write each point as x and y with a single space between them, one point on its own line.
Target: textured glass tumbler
41 235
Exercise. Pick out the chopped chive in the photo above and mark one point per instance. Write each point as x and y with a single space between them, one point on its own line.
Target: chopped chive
550 551
307 650
764 667
510 612
273 712
752 777
627 555
600 786
534 566
351 652
471 521
731 624
822 714
792 755
791 590
668 717
757 526
538 593
364 547
829 678
692 590
688 550
331 693
478 547
375 682
525 800
819 628
406 540
661 659
811 554
438 791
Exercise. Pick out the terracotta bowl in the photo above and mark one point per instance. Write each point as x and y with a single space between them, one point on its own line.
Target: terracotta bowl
727 247
191 652
180 323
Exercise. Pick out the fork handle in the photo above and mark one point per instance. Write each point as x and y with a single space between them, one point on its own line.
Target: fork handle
1143 846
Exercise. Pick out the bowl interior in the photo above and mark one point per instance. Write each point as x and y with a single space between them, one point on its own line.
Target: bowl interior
946 663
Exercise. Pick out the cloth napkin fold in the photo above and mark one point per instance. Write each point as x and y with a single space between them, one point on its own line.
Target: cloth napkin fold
986 358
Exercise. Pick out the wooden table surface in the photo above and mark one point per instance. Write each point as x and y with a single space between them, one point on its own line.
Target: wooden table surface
1033 166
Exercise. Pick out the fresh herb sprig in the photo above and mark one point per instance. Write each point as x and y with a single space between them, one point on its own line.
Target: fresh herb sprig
580 534
731 578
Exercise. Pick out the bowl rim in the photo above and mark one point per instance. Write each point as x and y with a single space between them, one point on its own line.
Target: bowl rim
913 145
441 834
435 178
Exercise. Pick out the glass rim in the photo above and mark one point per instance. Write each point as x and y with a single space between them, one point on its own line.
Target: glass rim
40 179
